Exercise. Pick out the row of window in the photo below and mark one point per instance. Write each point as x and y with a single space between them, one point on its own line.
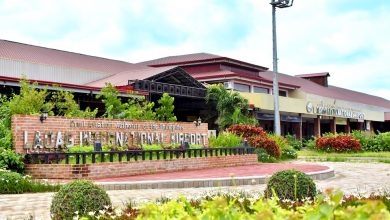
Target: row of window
246 88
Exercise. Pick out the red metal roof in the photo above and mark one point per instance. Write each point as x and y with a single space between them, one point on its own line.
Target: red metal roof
313 75
197 58
330 91
122 78
227 73
36 54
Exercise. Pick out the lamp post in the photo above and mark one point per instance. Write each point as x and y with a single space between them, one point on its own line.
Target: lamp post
275 87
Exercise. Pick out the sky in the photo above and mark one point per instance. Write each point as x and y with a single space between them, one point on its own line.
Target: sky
347 38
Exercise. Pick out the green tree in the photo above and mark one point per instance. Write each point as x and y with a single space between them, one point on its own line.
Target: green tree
30 100
114 108
232 108
140 109
165 111
66 105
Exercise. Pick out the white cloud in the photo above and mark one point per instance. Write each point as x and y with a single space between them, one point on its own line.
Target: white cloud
312 37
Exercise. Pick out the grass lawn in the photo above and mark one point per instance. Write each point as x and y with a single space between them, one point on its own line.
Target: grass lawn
313 155
358 154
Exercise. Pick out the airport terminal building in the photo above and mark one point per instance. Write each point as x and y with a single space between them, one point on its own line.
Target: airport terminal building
308 105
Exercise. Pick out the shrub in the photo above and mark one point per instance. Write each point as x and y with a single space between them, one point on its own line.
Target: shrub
288 153
79 197
225 139
263 156
365 139
280 141
310 143
11 161
268 144
381 142
13 183
292 185
338 144
294 142
247 131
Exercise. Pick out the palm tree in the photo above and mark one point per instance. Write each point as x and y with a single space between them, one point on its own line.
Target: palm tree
232 108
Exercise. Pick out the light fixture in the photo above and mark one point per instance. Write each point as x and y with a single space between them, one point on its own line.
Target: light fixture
198 122
44 115
282 3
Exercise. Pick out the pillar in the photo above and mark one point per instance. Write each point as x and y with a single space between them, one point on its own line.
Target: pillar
360 126
317 126
347 129
333 125
297 126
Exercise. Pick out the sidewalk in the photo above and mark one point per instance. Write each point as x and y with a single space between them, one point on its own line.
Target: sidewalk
352 178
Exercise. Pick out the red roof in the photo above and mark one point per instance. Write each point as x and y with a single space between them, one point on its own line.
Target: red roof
330 91
313 75
122 78
36 54
197 58
227 73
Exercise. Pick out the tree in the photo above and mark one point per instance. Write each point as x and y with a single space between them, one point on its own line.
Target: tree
232 108
113 104
66 106
165 111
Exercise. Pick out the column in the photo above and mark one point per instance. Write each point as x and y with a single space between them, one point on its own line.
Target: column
297 126
317 126
360 126
333 125
347 129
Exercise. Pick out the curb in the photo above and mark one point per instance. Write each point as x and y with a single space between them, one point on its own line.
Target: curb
197 183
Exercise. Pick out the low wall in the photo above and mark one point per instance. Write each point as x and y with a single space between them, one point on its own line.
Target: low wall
118 169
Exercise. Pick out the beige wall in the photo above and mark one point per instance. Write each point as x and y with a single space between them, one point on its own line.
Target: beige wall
298 100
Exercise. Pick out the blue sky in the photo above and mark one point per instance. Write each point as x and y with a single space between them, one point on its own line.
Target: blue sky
347 38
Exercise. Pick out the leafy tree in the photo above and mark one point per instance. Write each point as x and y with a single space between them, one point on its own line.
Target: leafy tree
165 111
66 105
232 108
5 124
113 104
140 110
30 100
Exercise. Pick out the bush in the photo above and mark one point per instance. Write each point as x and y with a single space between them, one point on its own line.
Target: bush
13 183
263 156
310 143
225 139
365 139
294 142
11 161
338 144
268 144
381 142
78 197
246 131
292 185
289 153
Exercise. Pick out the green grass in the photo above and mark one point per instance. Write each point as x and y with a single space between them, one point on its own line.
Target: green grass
358 154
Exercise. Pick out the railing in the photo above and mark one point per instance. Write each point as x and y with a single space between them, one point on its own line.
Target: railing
130 155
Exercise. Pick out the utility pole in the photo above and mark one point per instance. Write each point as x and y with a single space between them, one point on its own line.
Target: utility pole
275 86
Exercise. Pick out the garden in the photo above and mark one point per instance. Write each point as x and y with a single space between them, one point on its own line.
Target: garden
289 194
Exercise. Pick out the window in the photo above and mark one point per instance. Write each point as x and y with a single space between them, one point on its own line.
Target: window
282 93
259 90
241 87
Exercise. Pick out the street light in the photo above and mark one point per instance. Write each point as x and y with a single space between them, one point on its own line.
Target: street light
275 4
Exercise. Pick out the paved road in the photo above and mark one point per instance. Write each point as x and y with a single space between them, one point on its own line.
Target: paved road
352 178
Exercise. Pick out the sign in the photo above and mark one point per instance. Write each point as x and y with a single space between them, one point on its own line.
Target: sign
332 110
57 133
287 118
